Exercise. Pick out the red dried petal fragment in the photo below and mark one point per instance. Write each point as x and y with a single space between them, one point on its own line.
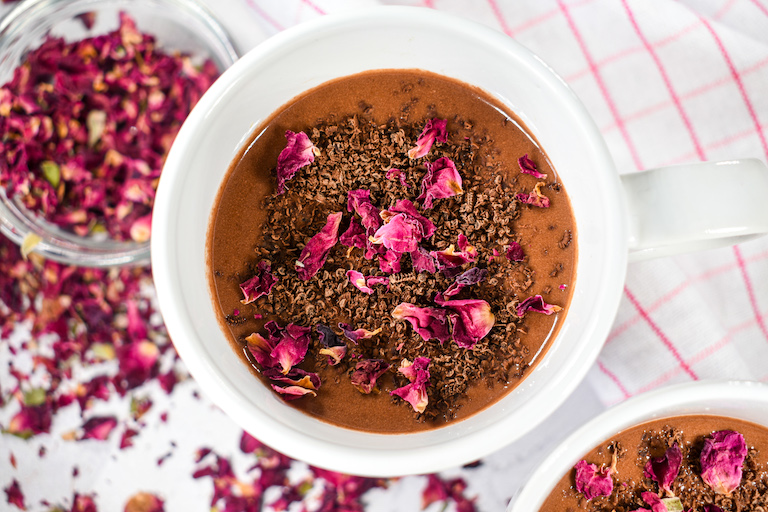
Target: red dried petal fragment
397 174
593 482
359 334
468 278
31 420
657 505
665 469
295 377
83 503
98 428
441 180
260 284
434 130
389 262
536 303
722 459
434 491
333 346
141 229
144 502
292 345
377 280
451 258
126 440
472 319
298 152
429 323
535 198
357 279
138 362
425 226
423 261
515 252
293 392
354 236
712 508
313 255
14 495
359 201
414 393
528 167
366 373
399 234
261 350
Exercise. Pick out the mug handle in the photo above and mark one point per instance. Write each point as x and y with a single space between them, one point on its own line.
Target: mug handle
685 208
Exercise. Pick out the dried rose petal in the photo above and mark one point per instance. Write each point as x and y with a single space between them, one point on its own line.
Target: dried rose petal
367 372
260 284
359 334
665 469
415 393
472 276
426 227
712 508
357 279
472 319
528 167
535 198
126 440
722 459
429 323
295 377
144 502
31 420
354 236
377 280
399 234
593 482
397 174
292 345
434 130
298 152
654 501
536 303
83 503
451 258
333 346
423 261
98 428
316 251
441 180
261 350
138 362
515 252
14 496
141 229
359 201
292 392
389 262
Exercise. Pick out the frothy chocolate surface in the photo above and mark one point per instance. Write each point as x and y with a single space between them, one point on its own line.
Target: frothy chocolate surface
633 448
364 125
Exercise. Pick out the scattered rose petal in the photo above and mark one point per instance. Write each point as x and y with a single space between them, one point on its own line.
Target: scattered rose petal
295 377
654 501
83 503
472 319
425 226
292 343
138 362
377 280
415 393
14 495
389 262
357 279
316 251
298 152
333 346
397 174
359 201
260 284
399 234
98 428
261 350
31 420
665 469
144 502
126 440
359 334
141 229
451 258
535 198
515 252
354 236
528 167
593 482
423 261
536 303
712 508
722 459
429 323
293 392
434 130
472 276
442 180
367 372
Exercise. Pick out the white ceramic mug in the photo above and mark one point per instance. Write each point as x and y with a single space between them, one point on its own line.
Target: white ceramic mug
613 216
735 399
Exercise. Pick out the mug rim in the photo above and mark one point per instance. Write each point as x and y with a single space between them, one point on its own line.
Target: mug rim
636 410
423 459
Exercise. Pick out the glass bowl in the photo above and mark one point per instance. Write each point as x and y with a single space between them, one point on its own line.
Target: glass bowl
178 25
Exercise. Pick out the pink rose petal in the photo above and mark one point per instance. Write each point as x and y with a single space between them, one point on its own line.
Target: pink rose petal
593 482
292 392
665 469
654 501
415 393
332 345
535 198
354 236
261 350
399 234
515 252
429 323
722 459
536 303
472 276
14 495
98 428
292 345
451 258
358 334
389 262
472 319
298 152
359 201
434 130
144 502
426 227
316 251
295 377
397 174
366 373
260 284
423 261
527 166
357 279
442 180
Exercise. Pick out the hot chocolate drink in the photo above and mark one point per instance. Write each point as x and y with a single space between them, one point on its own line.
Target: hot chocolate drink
392 251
